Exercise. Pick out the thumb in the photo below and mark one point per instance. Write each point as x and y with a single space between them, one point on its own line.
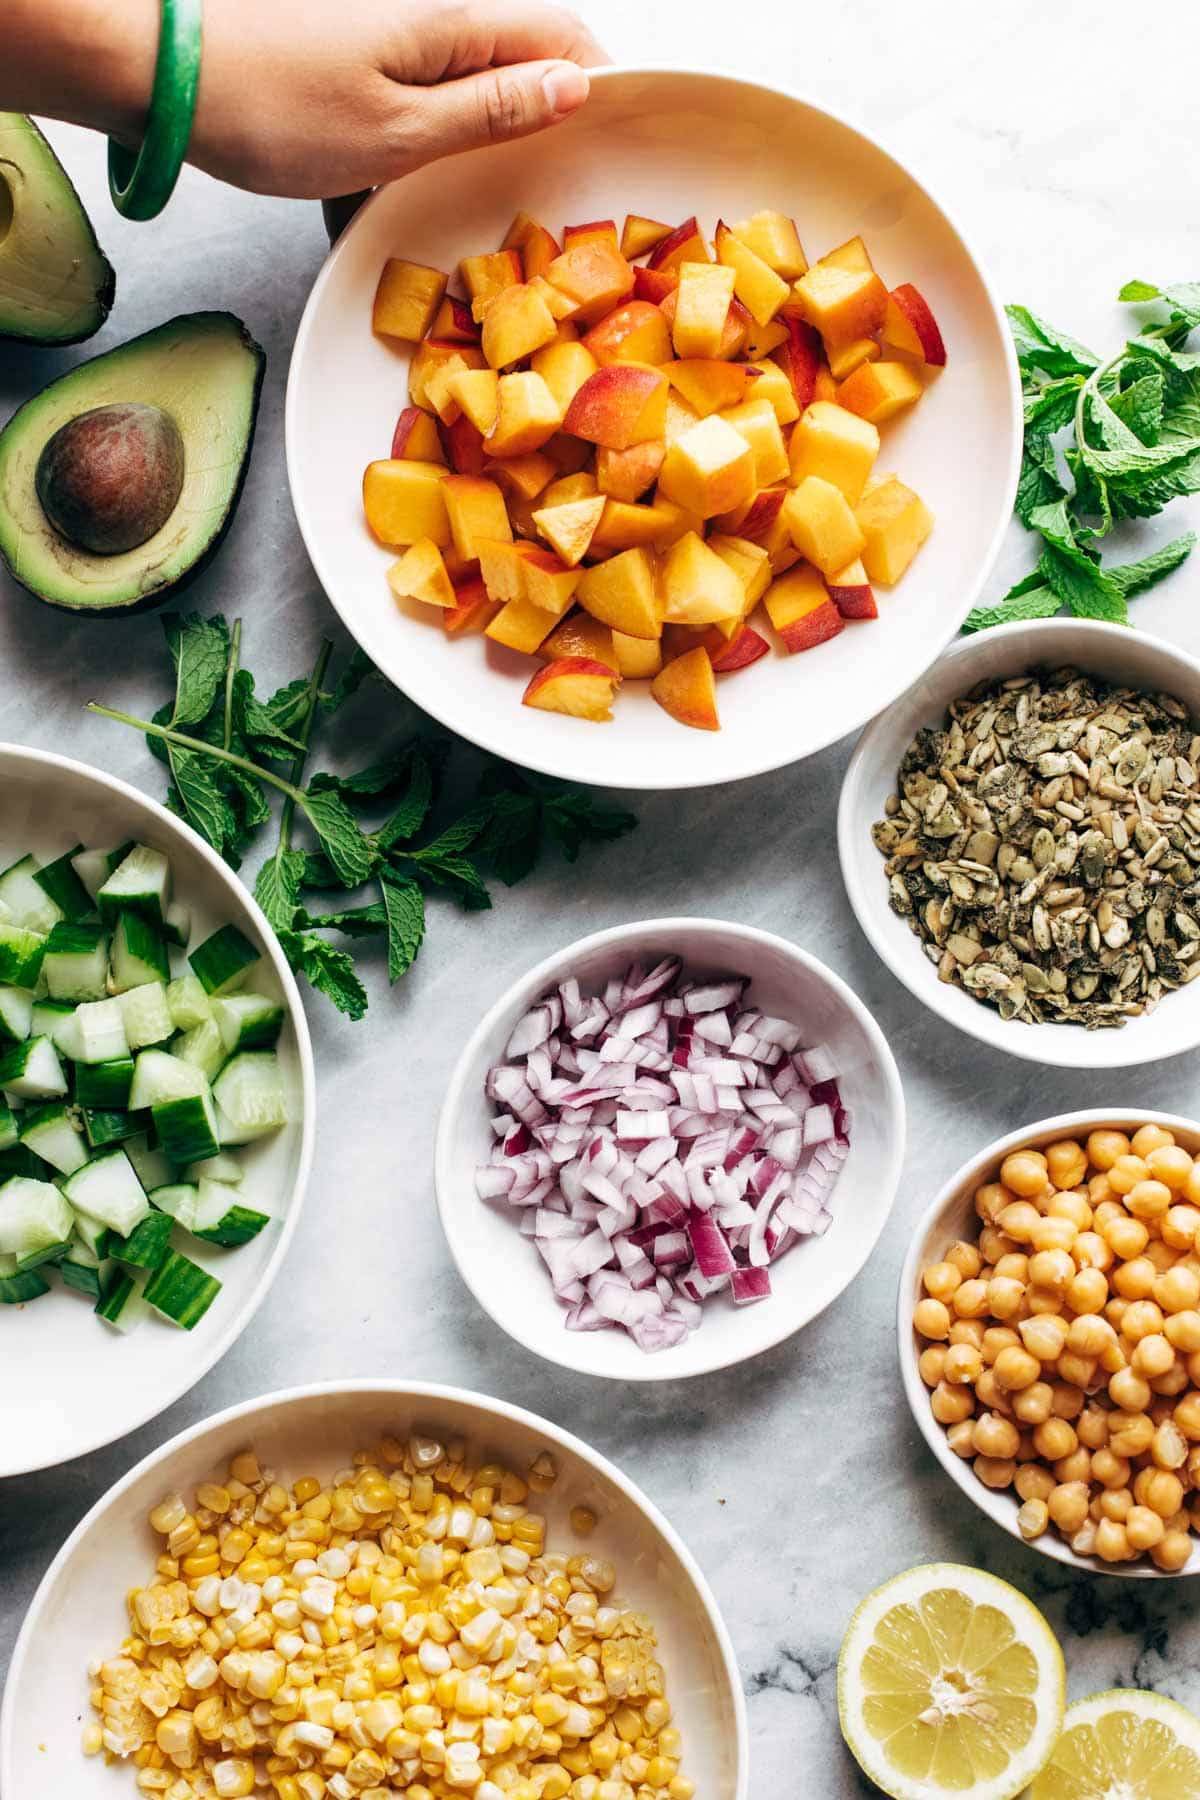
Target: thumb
497 105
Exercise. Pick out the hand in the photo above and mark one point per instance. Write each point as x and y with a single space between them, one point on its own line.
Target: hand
316 99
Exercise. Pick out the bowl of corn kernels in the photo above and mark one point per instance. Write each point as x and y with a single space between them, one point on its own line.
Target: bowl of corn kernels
1049 1324
348 1591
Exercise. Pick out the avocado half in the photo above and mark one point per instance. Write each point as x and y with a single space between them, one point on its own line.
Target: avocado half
204 371
56 284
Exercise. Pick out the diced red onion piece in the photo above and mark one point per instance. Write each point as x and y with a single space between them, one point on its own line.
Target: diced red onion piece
748 1285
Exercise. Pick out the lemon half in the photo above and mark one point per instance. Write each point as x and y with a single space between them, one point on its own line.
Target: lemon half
1124 1745
950 1682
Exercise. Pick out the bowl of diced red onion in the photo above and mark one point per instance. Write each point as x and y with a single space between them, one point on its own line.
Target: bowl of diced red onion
668 1147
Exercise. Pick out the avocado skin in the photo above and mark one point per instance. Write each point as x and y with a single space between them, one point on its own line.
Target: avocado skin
146 602
104 292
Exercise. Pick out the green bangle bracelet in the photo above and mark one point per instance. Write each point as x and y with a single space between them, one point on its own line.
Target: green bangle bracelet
141 183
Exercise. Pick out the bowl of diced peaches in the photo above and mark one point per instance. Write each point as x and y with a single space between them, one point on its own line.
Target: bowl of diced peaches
578 432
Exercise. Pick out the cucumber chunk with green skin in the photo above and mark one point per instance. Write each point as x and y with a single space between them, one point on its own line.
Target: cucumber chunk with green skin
138 954
24 901
152 1168
15 1290
82 1275
10 1126
21 954
188 1003
101 1032
202 1048
60 881
139 884
75 963
177 926
108 1190
248 1022
31 1070
51 1133
178 1198
146 1016
16 1013
33 1215
223 960
147 1244
157 1076
17 1160
180 1290
93 1236
94 867
250 1097
105 1085
54 1019
103 1128
187 1128
221 1218
38 1259
121 1301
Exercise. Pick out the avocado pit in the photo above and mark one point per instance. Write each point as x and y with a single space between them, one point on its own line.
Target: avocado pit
110 478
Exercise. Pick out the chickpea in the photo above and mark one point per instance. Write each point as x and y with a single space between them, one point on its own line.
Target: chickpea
996 1437
1075 1207
1141 1320
1183 1330
1126 1238
1173 1553
1149 1200
990 1201
1115 1503
1099 1189
1033 1482
1015 1369
989 1393
1107 1210
1113 1356
1187 1417
1089 1334
961 1439
993 1244
1005 1296
1087 1291
1053 1235
1045 1337
965 1258
1091 1251
1068 1401
1143 1528
1191 1187
995 1472
1129 1391
1171 1164
931 1364
1161 1255
1033 1404
1178 1290
1104 1147
1055 1439
1125 1174
1080 1371
963 1365
1020 1220
1192 1468
1092 1426
941 1279
1180 1226
951 1404
1115 1311
1051 1269
1169 1449
1112 1545
932 1319
1076 1467
1161 1491
1066 1163
1033 1518
1043 1300
1014 1266
1130 1434
967 1331
1152 1357
969 1301
1111 1470
1083 1543
1150 1138
1024 1172
1173 1383
1068 1506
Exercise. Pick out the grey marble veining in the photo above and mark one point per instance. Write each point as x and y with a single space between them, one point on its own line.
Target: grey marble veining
799 1480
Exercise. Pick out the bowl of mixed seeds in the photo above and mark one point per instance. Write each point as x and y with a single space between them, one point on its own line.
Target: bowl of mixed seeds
1020 840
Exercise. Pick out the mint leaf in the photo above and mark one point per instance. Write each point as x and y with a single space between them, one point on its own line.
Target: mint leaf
1038 484
330 971
1029 599
200 651
354 921
277 889
204 805
1183 298
459 836
1138 290
573 819
1140 406
343 843
1051 407
318 872
404 904
348 684
512 839
288 705
1082 585
413 810
256 725
1135 577
461 876
1043 350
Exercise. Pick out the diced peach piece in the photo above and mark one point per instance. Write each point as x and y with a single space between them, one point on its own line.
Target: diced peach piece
476 509
800 359
799 607
568 454
851 592
577 685
673 522
620 405
762 339
684 244
754 516
761 291
404 503
744 648
822 525
595 231
527 415
698 586
420 574
430 358
560 306
520 625
638 659
824 385
767 381
549 583
878 391
564 368
738 324
473 610
909 325
749 562
437 388
895 523
571 527
845 358
654 284
681 416
502 567
701 307
463 443
708 384
454 322
475 393
623 593
486 276
406 299
842 303
523 477
595 276
634 332
536 245
709 469
755 421
416 437
773 237
626 474
581 635
835 444
677 640
581 485
623 526
686 689
850 255
639 235
517 323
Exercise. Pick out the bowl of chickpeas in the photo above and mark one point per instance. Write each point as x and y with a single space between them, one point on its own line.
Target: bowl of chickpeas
1049 1327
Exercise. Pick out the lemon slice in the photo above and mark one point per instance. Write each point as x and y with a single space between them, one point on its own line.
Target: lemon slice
1124 1746
950 1682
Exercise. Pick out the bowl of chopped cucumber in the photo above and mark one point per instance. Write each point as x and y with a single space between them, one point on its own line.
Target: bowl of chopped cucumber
156 1107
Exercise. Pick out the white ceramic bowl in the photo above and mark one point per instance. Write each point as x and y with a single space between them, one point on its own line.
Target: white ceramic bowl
79 1609
503 1269
952 1216
665 143
93 1384
1113 653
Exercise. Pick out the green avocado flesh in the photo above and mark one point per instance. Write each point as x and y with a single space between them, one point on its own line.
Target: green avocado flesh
204 371
56 284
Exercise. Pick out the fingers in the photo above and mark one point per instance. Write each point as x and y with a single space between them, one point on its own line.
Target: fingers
460 37
491 108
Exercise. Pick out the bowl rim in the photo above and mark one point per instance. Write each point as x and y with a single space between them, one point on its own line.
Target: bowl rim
999 1506
476 729
917 973
547 973
346 1389
98 1437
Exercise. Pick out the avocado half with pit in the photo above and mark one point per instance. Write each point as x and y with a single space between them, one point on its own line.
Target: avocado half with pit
118 481
56 284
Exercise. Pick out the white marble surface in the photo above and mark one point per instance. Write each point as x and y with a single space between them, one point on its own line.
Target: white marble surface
799 1481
